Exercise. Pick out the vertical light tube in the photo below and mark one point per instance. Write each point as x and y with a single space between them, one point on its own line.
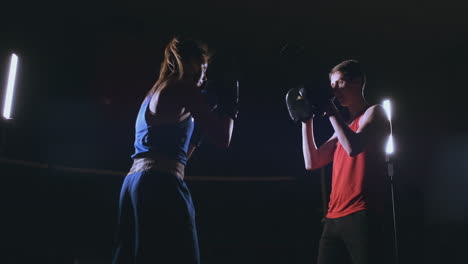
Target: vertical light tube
8 103
389 147
388 110
389 151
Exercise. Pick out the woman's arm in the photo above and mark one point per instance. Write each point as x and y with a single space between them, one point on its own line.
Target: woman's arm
190 151
217 128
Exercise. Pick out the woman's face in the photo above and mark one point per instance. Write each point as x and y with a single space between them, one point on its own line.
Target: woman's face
197 72
201 81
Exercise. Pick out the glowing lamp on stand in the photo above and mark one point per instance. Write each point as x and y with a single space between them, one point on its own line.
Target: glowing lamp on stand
8 103
389 149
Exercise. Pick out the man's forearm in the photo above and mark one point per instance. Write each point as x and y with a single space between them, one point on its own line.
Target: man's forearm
345 135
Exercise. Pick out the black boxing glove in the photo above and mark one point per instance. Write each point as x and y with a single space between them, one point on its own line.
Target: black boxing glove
227 93
303 103
209 94
319 97
298 105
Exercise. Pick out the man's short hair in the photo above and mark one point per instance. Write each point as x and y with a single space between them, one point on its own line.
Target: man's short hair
351 69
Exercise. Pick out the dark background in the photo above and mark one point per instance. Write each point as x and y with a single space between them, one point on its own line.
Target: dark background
85 67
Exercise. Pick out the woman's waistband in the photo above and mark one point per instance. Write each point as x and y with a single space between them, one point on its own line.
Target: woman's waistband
158 163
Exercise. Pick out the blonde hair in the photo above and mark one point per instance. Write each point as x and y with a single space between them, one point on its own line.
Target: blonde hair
178 53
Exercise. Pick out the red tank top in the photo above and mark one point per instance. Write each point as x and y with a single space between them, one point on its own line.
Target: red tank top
357 182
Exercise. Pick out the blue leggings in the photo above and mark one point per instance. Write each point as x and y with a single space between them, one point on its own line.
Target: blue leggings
156 221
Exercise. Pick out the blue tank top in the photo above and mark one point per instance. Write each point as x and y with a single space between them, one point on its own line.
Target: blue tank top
170 140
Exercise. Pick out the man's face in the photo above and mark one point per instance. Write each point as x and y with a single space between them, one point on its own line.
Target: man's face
345 90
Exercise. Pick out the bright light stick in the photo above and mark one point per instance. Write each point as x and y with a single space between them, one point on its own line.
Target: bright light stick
389 151
388 110
10 87
389 148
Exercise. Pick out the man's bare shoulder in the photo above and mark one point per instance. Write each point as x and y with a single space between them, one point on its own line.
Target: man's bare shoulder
375 113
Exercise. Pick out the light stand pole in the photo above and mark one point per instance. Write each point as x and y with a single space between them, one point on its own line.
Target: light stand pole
390 172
